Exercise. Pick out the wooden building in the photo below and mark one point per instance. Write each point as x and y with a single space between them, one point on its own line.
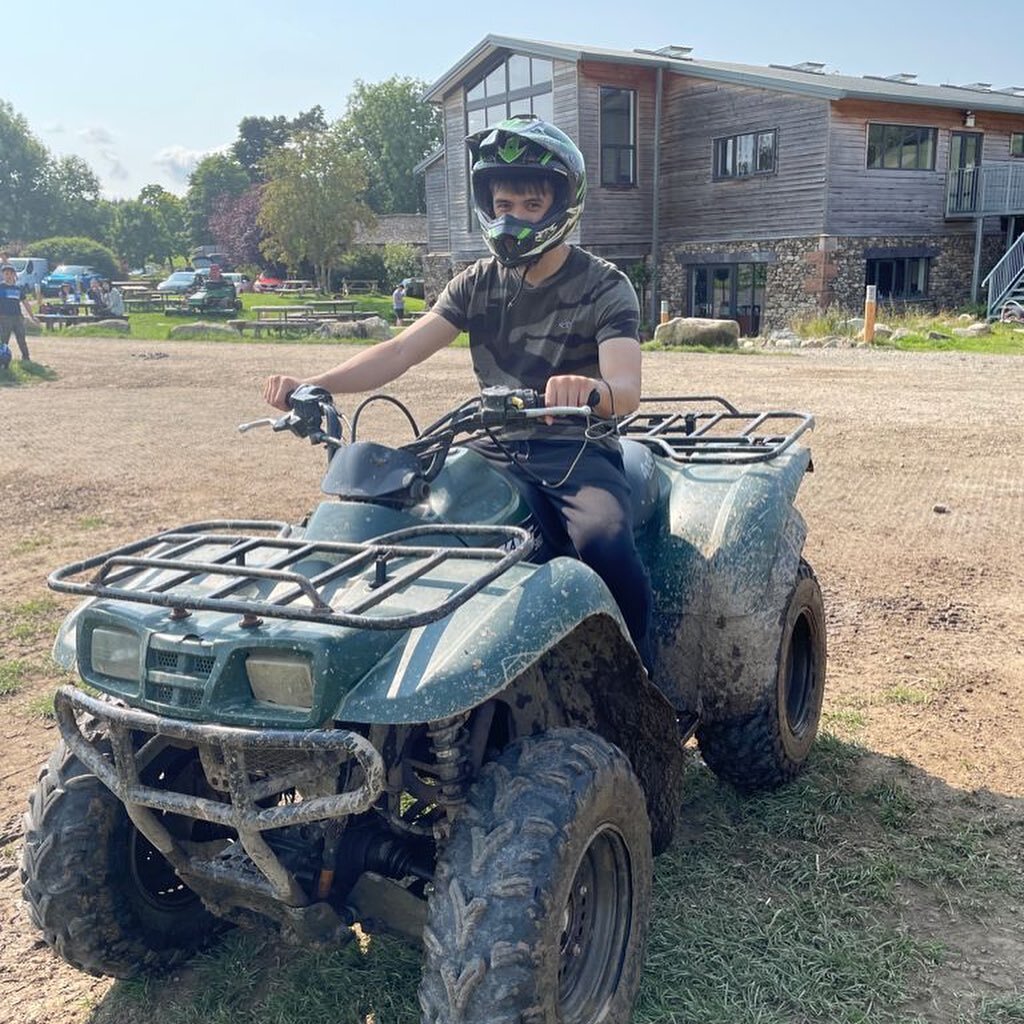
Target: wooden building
758 193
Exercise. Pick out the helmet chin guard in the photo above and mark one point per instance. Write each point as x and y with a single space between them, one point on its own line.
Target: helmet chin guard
516 150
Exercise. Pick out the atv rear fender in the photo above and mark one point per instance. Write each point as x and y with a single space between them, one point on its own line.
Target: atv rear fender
722 574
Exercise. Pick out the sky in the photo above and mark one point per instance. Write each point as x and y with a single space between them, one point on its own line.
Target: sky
142 91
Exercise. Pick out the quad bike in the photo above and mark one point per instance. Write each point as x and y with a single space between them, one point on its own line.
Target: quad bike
206 301
400 713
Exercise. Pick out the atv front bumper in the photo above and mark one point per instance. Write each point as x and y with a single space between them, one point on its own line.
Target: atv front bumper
262 780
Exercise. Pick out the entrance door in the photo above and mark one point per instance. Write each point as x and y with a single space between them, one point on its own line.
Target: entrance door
730 291
964 173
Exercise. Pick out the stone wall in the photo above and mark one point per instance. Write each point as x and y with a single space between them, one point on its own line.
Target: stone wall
805 276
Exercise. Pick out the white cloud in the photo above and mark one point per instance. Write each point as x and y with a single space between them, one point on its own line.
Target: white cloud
96 135
178 162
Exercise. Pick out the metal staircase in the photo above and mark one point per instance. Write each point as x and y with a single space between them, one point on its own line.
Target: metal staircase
1005 282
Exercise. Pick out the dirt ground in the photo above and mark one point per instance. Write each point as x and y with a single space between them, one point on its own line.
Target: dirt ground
915 514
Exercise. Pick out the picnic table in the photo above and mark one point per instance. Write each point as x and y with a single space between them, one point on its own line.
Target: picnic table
296 287
332 306
282 312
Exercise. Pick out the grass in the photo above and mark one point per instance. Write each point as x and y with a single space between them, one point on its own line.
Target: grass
1004 339
836 900
22 372
12 676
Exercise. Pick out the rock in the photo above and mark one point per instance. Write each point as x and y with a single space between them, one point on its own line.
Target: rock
883 332
940 509
373 327
965 317
900 333
783 333
937 336
973 331
106 326
202 328
854 325
693 330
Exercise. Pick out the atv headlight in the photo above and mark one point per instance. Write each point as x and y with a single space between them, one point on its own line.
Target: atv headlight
280 679
115 653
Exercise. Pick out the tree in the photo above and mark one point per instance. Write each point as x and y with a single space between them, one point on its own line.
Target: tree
401 260
395 129
74 206
215 177
313 201
23 165
235 226
258 137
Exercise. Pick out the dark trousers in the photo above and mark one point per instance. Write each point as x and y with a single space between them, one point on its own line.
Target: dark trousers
588 516
15 325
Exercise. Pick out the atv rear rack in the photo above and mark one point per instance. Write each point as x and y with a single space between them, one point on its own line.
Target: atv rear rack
165 570
717 435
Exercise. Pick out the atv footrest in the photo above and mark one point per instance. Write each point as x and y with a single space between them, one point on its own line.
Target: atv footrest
212 566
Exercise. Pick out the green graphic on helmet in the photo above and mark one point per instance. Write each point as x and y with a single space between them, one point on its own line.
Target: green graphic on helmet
511 151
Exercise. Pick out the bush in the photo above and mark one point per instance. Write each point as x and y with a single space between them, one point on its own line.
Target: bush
364 263
77 250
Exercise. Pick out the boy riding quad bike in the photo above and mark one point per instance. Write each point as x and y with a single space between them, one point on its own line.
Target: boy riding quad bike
438 706
217 295
398 714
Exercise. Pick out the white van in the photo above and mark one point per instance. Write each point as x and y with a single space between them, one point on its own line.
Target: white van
30 269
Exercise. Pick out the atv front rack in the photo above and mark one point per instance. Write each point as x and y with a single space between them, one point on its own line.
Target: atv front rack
719 434
346 584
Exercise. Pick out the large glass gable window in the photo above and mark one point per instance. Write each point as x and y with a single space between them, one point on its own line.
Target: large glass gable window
521 85
901 147
618 136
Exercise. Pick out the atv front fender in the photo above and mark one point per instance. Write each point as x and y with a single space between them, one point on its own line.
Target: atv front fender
457 663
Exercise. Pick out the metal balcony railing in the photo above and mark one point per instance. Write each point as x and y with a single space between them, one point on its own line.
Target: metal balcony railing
995 189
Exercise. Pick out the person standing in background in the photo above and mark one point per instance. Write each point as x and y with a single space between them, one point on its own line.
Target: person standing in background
13 311
398 303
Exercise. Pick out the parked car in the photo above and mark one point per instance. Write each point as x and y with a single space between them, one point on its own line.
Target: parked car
267 283
76 275
240 281
31 270
180 282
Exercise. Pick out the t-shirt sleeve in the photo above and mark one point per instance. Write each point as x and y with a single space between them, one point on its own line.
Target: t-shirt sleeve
453 302
617 310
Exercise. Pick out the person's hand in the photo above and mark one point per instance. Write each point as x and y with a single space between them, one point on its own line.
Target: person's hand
568 389
276 390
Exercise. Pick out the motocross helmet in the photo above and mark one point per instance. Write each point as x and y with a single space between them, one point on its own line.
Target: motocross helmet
524 145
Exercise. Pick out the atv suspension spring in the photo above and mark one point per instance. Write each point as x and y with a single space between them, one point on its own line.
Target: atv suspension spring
449 742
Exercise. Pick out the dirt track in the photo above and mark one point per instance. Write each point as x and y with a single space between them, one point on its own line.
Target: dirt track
915 510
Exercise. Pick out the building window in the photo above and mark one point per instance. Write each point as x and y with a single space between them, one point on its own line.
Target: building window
521 85
901 147
739 156
1017 144
901 277
618 136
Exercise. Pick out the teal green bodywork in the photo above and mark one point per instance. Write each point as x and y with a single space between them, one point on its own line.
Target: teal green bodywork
722 543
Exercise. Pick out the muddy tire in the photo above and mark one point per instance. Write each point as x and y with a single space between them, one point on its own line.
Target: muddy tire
770 746
542 894
102 896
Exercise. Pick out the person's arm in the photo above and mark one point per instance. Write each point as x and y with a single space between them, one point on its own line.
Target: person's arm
372 367
26 312
619 384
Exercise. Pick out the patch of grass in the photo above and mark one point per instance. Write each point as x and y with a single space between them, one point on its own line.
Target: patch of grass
41 707
30 544
849 719
21 372
657 346
905 695
772 908
12 677
92 522
35 618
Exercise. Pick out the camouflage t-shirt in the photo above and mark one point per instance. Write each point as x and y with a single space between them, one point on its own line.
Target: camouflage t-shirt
522 334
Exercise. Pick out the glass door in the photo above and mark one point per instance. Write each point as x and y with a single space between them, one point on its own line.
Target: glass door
733 291
964 173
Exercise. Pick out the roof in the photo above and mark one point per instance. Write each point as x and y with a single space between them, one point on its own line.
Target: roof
809 79
410 228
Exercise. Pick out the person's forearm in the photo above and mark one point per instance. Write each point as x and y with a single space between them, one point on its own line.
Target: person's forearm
620 395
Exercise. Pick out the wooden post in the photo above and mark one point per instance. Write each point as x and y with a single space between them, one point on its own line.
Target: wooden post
870 294
664 311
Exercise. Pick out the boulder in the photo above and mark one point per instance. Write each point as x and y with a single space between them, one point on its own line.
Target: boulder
692 330
202 329
972 331
373 327
106 326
